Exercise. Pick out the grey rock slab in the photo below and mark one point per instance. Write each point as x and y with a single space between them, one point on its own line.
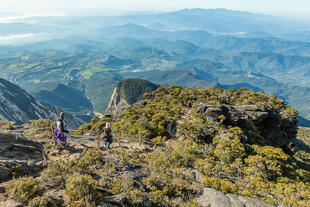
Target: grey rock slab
11 203
251 202
234 200
116 200
4 173
213 198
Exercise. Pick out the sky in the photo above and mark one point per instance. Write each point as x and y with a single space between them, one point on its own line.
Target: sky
286 8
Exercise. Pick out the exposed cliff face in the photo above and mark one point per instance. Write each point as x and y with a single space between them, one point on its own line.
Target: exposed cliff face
116 102
129 92
19 106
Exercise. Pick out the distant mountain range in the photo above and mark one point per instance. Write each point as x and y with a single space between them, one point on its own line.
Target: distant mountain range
215 21
192 47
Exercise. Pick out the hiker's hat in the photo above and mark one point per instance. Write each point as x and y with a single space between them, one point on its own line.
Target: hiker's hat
62 115
108 125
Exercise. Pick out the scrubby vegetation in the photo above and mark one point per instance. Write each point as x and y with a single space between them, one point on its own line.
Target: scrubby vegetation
24 189
42 201
206 153
81 190
6 124
39 129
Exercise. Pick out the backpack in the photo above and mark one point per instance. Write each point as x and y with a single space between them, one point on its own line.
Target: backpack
107 133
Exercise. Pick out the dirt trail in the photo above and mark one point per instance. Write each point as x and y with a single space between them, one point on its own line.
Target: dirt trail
76 145
187 114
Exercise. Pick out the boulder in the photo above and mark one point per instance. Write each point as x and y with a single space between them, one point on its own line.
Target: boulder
214 198
5 174
246 108
259 116
116 200
250 202
234 200
134 174
19 155
171 128
10 203
277 130
201 108
213 112
198 175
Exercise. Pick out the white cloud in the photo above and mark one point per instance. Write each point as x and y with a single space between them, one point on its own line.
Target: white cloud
16 36
18 18
277 7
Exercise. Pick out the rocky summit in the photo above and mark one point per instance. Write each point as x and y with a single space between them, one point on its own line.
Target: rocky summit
278 131
179 146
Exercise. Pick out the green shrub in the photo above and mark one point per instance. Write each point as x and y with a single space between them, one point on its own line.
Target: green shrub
229 148
40 128
43 201
57 172
81 190
135 196
24 189
223 185
90 157
159 141
123 185
6 125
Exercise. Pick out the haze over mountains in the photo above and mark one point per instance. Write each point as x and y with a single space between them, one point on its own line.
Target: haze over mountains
83 57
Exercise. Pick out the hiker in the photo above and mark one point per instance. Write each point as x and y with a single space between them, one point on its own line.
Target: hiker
107 136
60 134
190 104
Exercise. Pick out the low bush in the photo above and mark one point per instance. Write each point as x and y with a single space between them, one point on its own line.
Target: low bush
90 157
81 190
6 125
57 173
42 201
24 189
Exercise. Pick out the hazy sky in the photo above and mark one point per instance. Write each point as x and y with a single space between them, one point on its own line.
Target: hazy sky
290 8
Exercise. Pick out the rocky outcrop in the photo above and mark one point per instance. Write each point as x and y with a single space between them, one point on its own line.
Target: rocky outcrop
275 129
115 200
213 198
10 203
128 92
19 156
117 102
19 106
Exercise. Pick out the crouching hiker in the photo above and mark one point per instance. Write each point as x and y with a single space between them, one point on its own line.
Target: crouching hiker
107 136
60 134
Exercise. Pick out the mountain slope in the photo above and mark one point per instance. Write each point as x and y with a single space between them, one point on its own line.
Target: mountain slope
19 106
185 77
63 96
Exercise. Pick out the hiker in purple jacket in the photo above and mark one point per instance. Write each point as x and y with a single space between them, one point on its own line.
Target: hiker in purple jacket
61 130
